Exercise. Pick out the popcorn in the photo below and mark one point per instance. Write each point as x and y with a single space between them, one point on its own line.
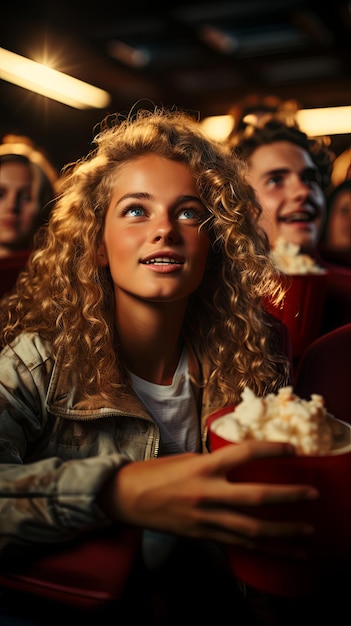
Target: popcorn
279 417
289 260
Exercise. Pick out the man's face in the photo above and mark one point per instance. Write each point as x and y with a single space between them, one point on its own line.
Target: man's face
287 185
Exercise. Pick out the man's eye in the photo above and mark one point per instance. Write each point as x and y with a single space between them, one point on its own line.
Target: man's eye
275 180
312 176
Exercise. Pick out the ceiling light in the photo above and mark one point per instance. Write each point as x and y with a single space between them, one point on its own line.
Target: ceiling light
218 127
314 122
330 121
50 83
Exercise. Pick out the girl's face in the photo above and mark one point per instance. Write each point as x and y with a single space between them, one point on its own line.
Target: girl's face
287 186
18 207
152 242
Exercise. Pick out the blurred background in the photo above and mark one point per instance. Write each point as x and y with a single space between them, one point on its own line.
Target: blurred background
203 56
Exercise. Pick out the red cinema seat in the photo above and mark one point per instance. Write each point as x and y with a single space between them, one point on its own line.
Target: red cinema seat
325 368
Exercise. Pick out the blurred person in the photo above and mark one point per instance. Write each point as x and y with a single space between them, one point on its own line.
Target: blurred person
341 168
138 315
335 244
27 189
290 174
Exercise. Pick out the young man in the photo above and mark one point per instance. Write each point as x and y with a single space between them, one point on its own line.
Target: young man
290 174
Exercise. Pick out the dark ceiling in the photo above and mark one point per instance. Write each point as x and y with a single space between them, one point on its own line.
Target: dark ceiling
203 56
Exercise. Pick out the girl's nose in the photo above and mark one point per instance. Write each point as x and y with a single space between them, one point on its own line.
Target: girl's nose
165 230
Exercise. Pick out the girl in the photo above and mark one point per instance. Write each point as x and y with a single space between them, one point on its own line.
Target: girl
139 314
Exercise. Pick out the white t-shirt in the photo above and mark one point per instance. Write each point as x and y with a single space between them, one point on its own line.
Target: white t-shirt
174 410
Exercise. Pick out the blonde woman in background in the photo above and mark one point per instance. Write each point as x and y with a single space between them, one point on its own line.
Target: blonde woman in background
27 190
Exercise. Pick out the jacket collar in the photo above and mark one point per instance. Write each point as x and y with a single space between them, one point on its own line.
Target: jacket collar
65 396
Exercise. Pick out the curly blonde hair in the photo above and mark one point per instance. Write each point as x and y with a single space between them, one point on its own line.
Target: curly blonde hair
67 297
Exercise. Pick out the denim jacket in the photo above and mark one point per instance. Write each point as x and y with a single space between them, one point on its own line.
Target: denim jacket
56 451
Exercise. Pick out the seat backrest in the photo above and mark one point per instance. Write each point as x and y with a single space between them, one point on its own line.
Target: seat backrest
87 573
325 368
337 308
10 267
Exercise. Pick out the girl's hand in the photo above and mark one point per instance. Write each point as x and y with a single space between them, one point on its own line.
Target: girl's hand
189 494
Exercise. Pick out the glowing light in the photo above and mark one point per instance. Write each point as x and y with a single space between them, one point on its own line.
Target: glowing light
314 122
218 127
50 83
330 121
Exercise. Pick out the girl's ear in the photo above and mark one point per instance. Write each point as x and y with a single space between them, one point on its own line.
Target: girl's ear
102 255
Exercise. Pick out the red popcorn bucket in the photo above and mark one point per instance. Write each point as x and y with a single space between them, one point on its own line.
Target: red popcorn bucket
330 546
302 308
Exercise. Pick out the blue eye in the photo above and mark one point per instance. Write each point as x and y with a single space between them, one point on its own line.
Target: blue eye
136 211
187 214
194 215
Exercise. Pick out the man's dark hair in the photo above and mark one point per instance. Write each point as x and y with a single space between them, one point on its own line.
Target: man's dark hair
273 130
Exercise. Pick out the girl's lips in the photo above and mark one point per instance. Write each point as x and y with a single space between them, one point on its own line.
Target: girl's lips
163 258
164 268
163 265
163 261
